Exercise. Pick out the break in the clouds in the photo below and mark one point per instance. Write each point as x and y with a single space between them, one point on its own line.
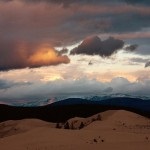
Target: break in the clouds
94 46
138 61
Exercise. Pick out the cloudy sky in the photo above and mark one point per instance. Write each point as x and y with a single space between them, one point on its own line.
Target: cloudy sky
72 47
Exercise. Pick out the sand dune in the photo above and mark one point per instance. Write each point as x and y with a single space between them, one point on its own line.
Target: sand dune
121 119
13 127
113 129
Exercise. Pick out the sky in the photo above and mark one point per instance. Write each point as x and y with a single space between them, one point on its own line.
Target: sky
50 48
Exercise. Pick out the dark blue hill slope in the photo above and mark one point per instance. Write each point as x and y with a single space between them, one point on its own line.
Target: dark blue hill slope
63 110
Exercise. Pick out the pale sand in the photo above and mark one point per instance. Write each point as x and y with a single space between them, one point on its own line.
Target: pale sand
117 130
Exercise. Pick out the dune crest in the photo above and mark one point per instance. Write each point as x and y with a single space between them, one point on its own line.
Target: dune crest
78 123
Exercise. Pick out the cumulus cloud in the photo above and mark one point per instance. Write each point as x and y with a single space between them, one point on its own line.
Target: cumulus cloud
16 55
94 46
75 88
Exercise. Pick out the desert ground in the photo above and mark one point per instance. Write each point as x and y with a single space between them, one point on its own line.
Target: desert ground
112 129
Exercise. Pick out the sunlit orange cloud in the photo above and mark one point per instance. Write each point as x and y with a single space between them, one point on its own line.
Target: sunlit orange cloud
46 56
29 55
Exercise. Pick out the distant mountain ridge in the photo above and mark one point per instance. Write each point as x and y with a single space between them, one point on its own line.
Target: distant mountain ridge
135 103
74 107
44 102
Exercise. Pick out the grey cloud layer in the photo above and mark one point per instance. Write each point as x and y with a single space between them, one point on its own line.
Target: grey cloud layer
145 2
4 84
39 91
61 25
139 60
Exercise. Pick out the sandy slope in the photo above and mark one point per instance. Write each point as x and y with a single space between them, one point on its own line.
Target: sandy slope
118 130
13 127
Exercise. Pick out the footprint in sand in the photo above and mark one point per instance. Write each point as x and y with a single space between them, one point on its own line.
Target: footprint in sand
96 140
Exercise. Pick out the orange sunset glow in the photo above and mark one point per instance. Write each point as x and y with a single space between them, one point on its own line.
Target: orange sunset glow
47 56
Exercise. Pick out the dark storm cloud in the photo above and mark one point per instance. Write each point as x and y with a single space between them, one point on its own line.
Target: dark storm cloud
94 46
57 24
67 2
4 84
138 2
49 22
129 22
6 1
